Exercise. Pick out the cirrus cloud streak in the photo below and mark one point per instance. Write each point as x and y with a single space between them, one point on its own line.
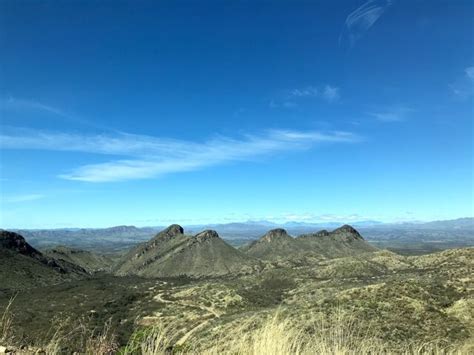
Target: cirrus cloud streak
142 157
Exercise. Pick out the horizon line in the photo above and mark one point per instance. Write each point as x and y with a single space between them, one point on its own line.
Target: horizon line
261 222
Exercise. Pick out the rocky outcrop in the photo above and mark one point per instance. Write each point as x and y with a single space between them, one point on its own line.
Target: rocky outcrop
16 243
275 235
207 235
174 229
346 233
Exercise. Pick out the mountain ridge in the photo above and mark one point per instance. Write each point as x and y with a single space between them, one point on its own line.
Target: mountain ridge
171 253
22 266
277 244
459 231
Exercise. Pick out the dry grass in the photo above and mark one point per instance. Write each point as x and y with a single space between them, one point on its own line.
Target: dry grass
279 335
103 342
6 322
62 334
337 334
151 341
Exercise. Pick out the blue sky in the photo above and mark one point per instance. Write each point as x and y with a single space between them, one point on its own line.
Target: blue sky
149 113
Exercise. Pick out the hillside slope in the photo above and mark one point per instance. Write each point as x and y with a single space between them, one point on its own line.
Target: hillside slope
171 253
89 261
274 245
22 266
343 241
278 245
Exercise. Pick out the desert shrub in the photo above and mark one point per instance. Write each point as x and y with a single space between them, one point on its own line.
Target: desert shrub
332 331
268 292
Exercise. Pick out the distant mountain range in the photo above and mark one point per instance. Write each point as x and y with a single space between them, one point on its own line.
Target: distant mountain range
122 237
262 225
466 223
173 253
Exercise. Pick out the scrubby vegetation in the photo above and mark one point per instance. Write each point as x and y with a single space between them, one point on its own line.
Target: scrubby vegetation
367 302
334 332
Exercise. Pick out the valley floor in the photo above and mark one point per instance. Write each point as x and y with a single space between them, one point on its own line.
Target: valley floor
377 302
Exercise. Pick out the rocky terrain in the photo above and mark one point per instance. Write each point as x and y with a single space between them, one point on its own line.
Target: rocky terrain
172 253
22 266
200 292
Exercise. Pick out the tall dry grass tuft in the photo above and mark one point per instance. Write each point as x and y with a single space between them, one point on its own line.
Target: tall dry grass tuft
101 343
437 348
279 335
337 333
154 340
6 323
65 333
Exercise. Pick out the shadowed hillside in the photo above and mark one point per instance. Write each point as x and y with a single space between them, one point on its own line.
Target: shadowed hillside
89 261
22 266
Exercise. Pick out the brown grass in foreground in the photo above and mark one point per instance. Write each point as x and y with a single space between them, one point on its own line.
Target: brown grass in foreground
279 335
6 321
337 334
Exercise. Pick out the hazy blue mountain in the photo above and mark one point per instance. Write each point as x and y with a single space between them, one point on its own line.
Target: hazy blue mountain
458 232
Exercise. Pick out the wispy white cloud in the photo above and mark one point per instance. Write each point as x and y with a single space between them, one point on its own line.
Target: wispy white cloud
470 72
310 217
463 87
395 113
141 157
359 21
284 104
30 108
309 91
22 198
22 104
331 93
327 92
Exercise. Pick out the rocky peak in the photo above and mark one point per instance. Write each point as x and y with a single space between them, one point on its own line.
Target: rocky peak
162 237
174 229
207 235
275 234
347 232
169 232
14 241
